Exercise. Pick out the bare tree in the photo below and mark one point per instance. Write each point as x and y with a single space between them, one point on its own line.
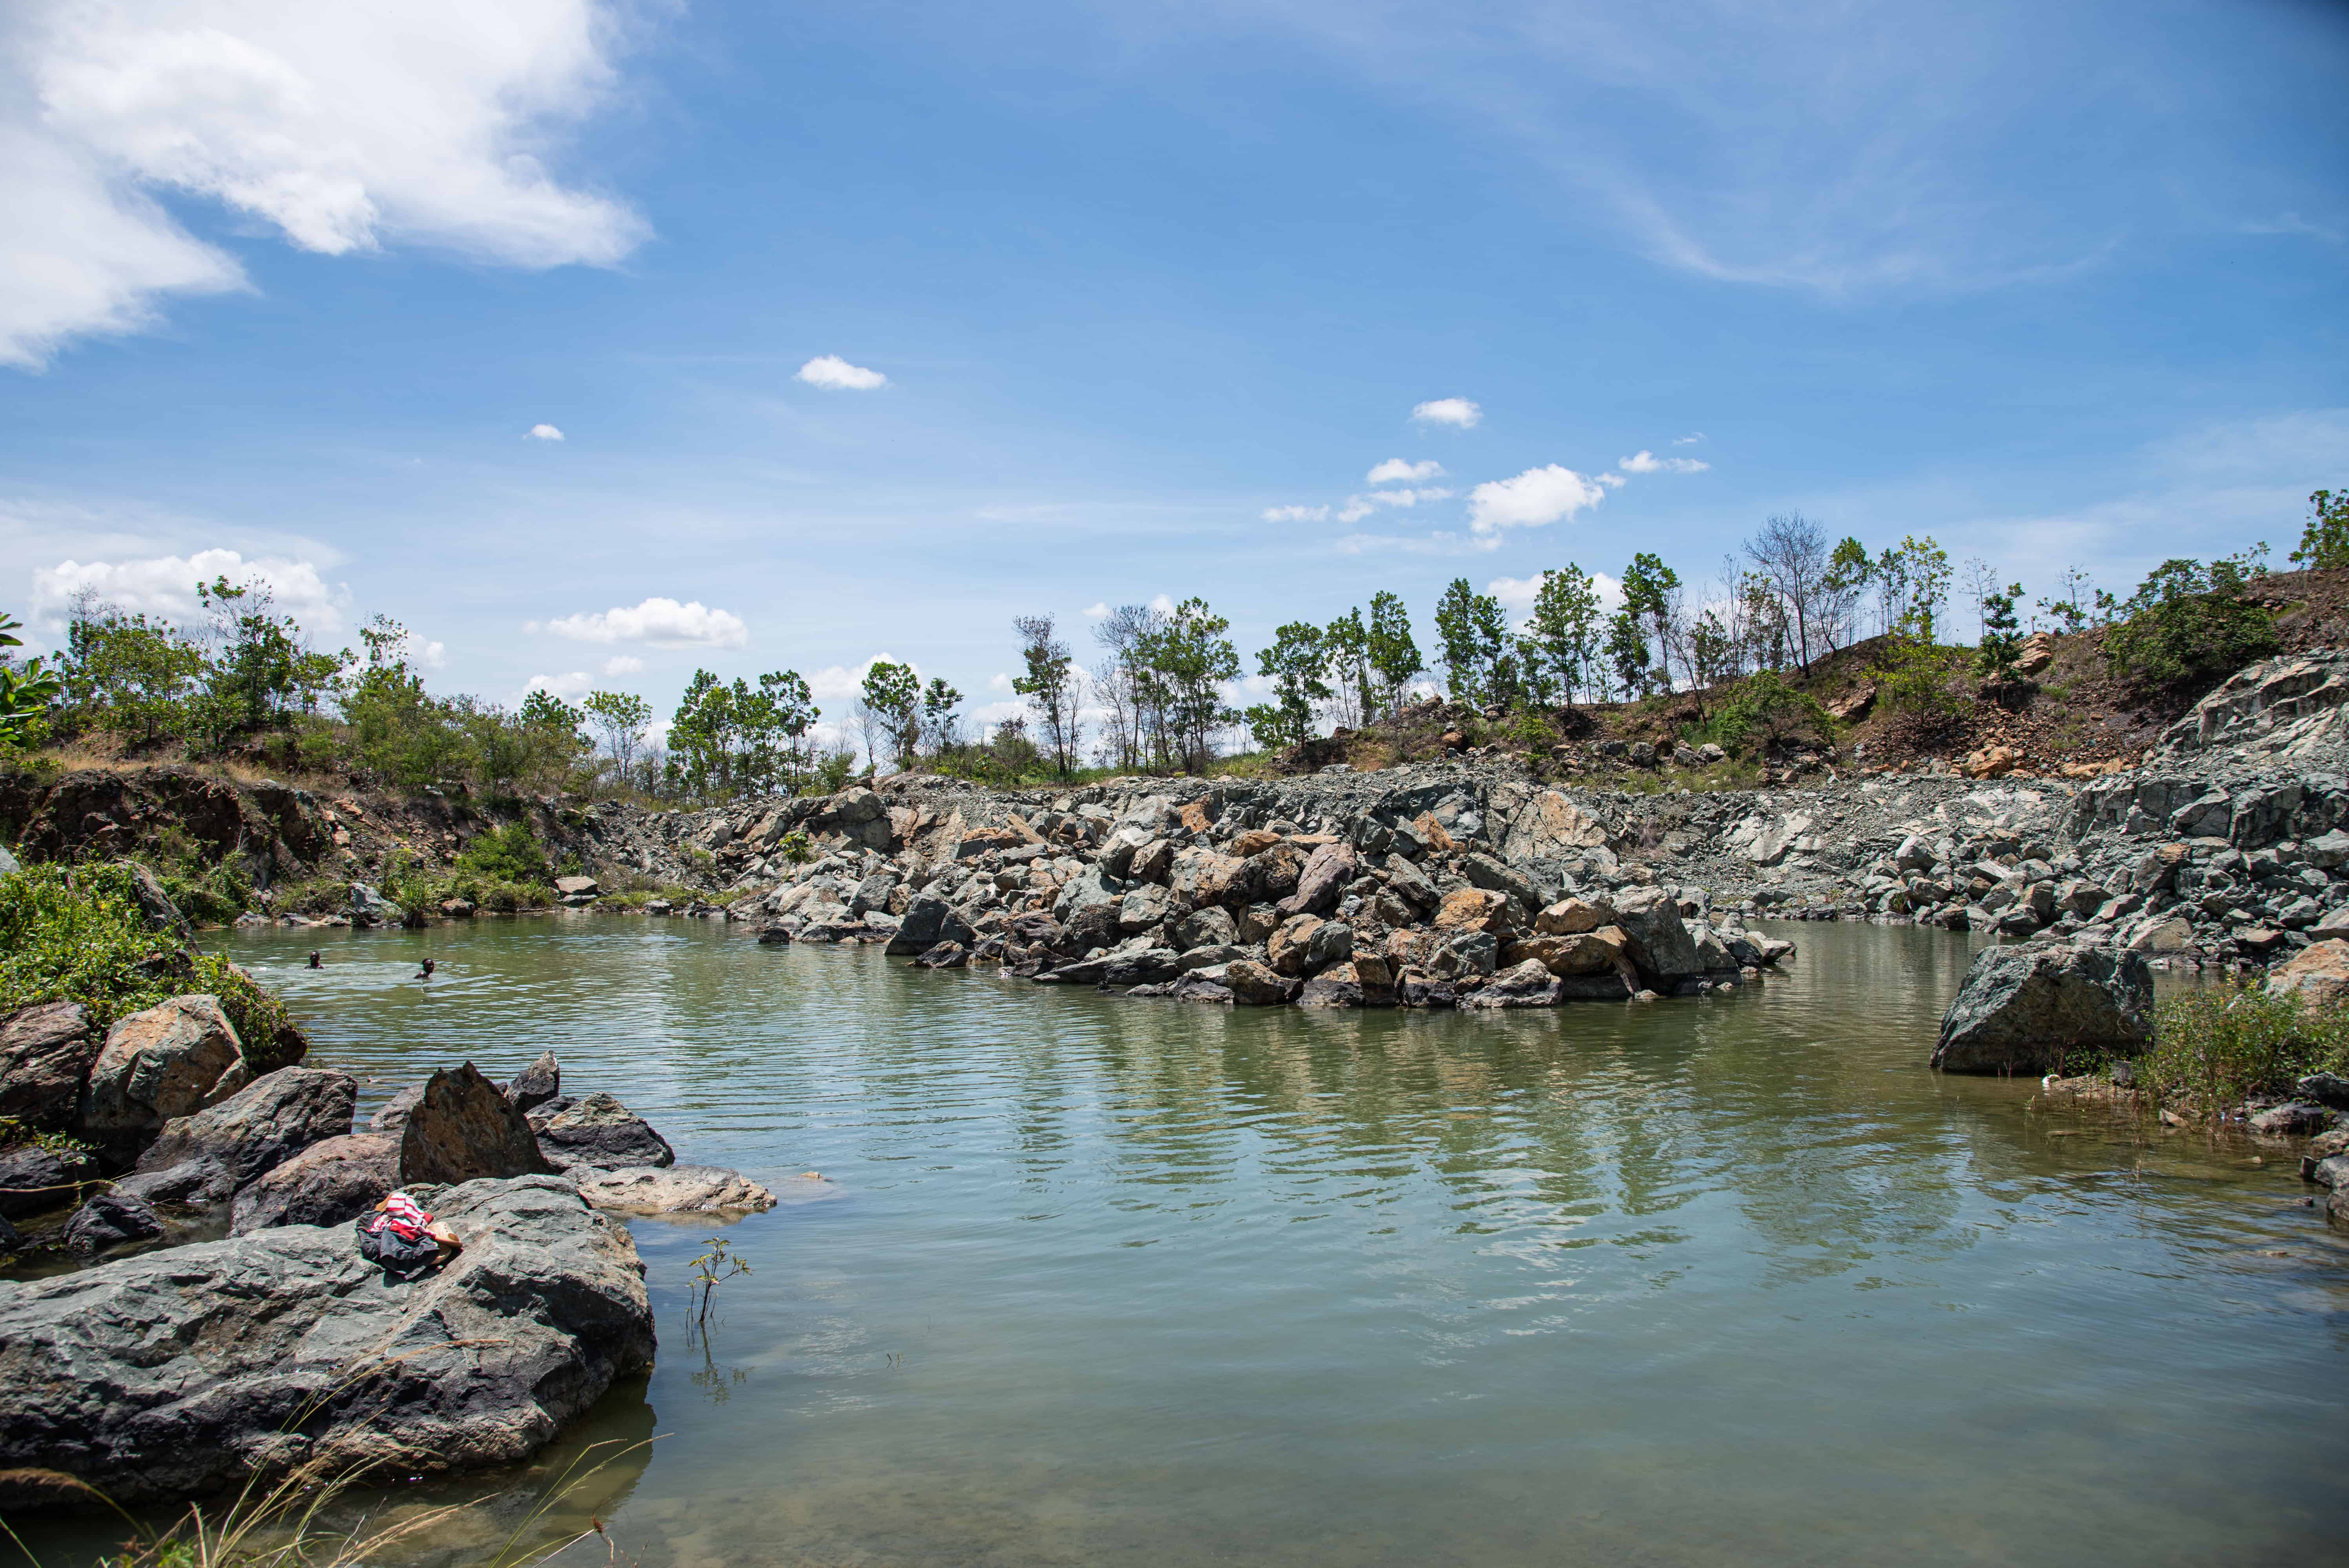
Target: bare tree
1116 689
1981 581
1790 558
1054 686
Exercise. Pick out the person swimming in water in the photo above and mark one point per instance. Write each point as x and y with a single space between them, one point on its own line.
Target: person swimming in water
314 959
425 973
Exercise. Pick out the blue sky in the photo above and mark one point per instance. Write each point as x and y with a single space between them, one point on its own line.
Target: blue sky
1154 289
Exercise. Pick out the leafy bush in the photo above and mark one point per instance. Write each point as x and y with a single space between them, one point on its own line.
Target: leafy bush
77 935
1764 709
2187 627
1914 675
2325 540
511 853
2218 1045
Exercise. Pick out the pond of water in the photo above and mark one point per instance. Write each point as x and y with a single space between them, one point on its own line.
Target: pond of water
1733 1280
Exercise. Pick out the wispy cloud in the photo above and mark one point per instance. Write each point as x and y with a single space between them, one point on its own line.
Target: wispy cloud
1297 514
1646 462
1397 469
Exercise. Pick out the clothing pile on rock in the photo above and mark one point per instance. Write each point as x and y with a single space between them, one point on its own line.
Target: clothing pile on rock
401 1237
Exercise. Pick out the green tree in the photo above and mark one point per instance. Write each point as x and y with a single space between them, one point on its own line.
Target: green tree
1649 589
894 692
129 675
2002 637
397 727
1476 637
25 689
1051 689
1347 642
261 672
2324 539
701 738
2067 610
551 734
1848 575
1922 570
1186 662
1713 651
2185 626
1296 665
1564 631
1627 651
941 725
626 720
1395 657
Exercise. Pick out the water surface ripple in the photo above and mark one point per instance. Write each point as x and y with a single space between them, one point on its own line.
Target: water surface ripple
1705 1282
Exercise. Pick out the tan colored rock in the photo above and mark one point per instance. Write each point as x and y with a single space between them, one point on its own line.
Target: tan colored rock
2037 653
1599 952
1254 985
44 1051
172 1059
1203 877
1474 909
461 1128
1255 842
1376 978
1570 916
1194 816
2318 975
1433 834
1286 948
1551 824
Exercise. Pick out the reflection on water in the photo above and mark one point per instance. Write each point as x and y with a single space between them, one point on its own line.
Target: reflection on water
1708 1281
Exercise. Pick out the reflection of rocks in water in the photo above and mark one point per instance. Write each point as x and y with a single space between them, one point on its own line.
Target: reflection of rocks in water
581 1478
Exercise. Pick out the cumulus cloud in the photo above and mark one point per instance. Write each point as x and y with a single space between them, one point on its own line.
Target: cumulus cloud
1162 603
165 586
1646 462
1396 469
569 687
624 665
833 373
664 622
343 128
999 682
544 433
1458 412
1297 514
432 655
1097 611
1533 499
1517 595
1356 509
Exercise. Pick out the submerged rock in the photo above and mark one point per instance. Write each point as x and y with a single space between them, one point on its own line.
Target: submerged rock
2024 1009
176 1372
36 1176
677 1190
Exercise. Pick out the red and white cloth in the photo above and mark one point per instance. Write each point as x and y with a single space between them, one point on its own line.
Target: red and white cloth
402 1217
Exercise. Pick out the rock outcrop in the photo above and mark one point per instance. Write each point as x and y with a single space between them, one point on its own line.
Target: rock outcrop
598 1131
45 1054
676 1190
463 1129
2029 1009
260 1126
172 1059
333 1181
176 1373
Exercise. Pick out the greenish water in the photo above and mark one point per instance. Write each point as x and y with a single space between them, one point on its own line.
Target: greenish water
1708 1282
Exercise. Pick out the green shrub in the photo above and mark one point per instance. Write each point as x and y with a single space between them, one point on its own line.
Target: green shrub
2187 626
510 855
2324 539
77 935
1764 709
2220 1045
1914 675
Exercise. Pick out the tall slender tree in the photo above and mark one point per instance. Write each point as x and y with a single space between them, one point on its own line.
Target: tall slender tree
1051 689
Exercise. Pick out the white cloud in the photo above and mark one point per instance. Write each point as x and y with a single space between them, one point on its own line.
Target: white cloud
623 664
664 622
1533 499
1690 439
833 373
1646 462
1162 603
1297 514
344 127
544 433
1097 611
1612 480
1355 509
570 687
166 586
1395 469
999 682
1406 497
432 656
1455 411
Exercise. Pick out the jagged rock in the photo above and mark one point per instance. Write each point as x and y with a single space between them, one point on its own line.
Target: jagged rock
2326 1089
1209 927
155 905
1208 957
1198 987
46 1052
597 1129
109 1220
1254 985
1572 917
392 1115
2318 975
945 955
460 1129
174 1373
172 1059
2296 1119
1474 909
1332 943
1322 880
2026 1009
333 1181
37 1176
1528 985
1147 966
268 1121
677 1190
1553 827
1484 872
1414 989
1334 988
1145 907
1289 948
928 919
1268 876
369 907
1660 944
535 1084
1603 951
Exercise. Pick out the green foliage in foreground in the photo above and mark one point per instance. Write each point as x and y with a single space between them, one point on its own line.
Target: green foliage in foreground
2220 1045
77 935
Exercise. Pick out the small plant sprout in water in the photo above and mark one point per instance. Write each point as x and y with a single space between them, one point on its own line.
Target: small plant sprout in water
718 1262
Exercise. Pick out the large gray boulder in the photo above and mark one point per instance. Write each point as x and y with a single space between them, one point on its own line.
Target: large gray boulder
1324 878
1660 943
597 1129
172 1059
928 921
268 1121
2031 1008
333 1181
536 1084
46 1052
461 1128
176 1372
